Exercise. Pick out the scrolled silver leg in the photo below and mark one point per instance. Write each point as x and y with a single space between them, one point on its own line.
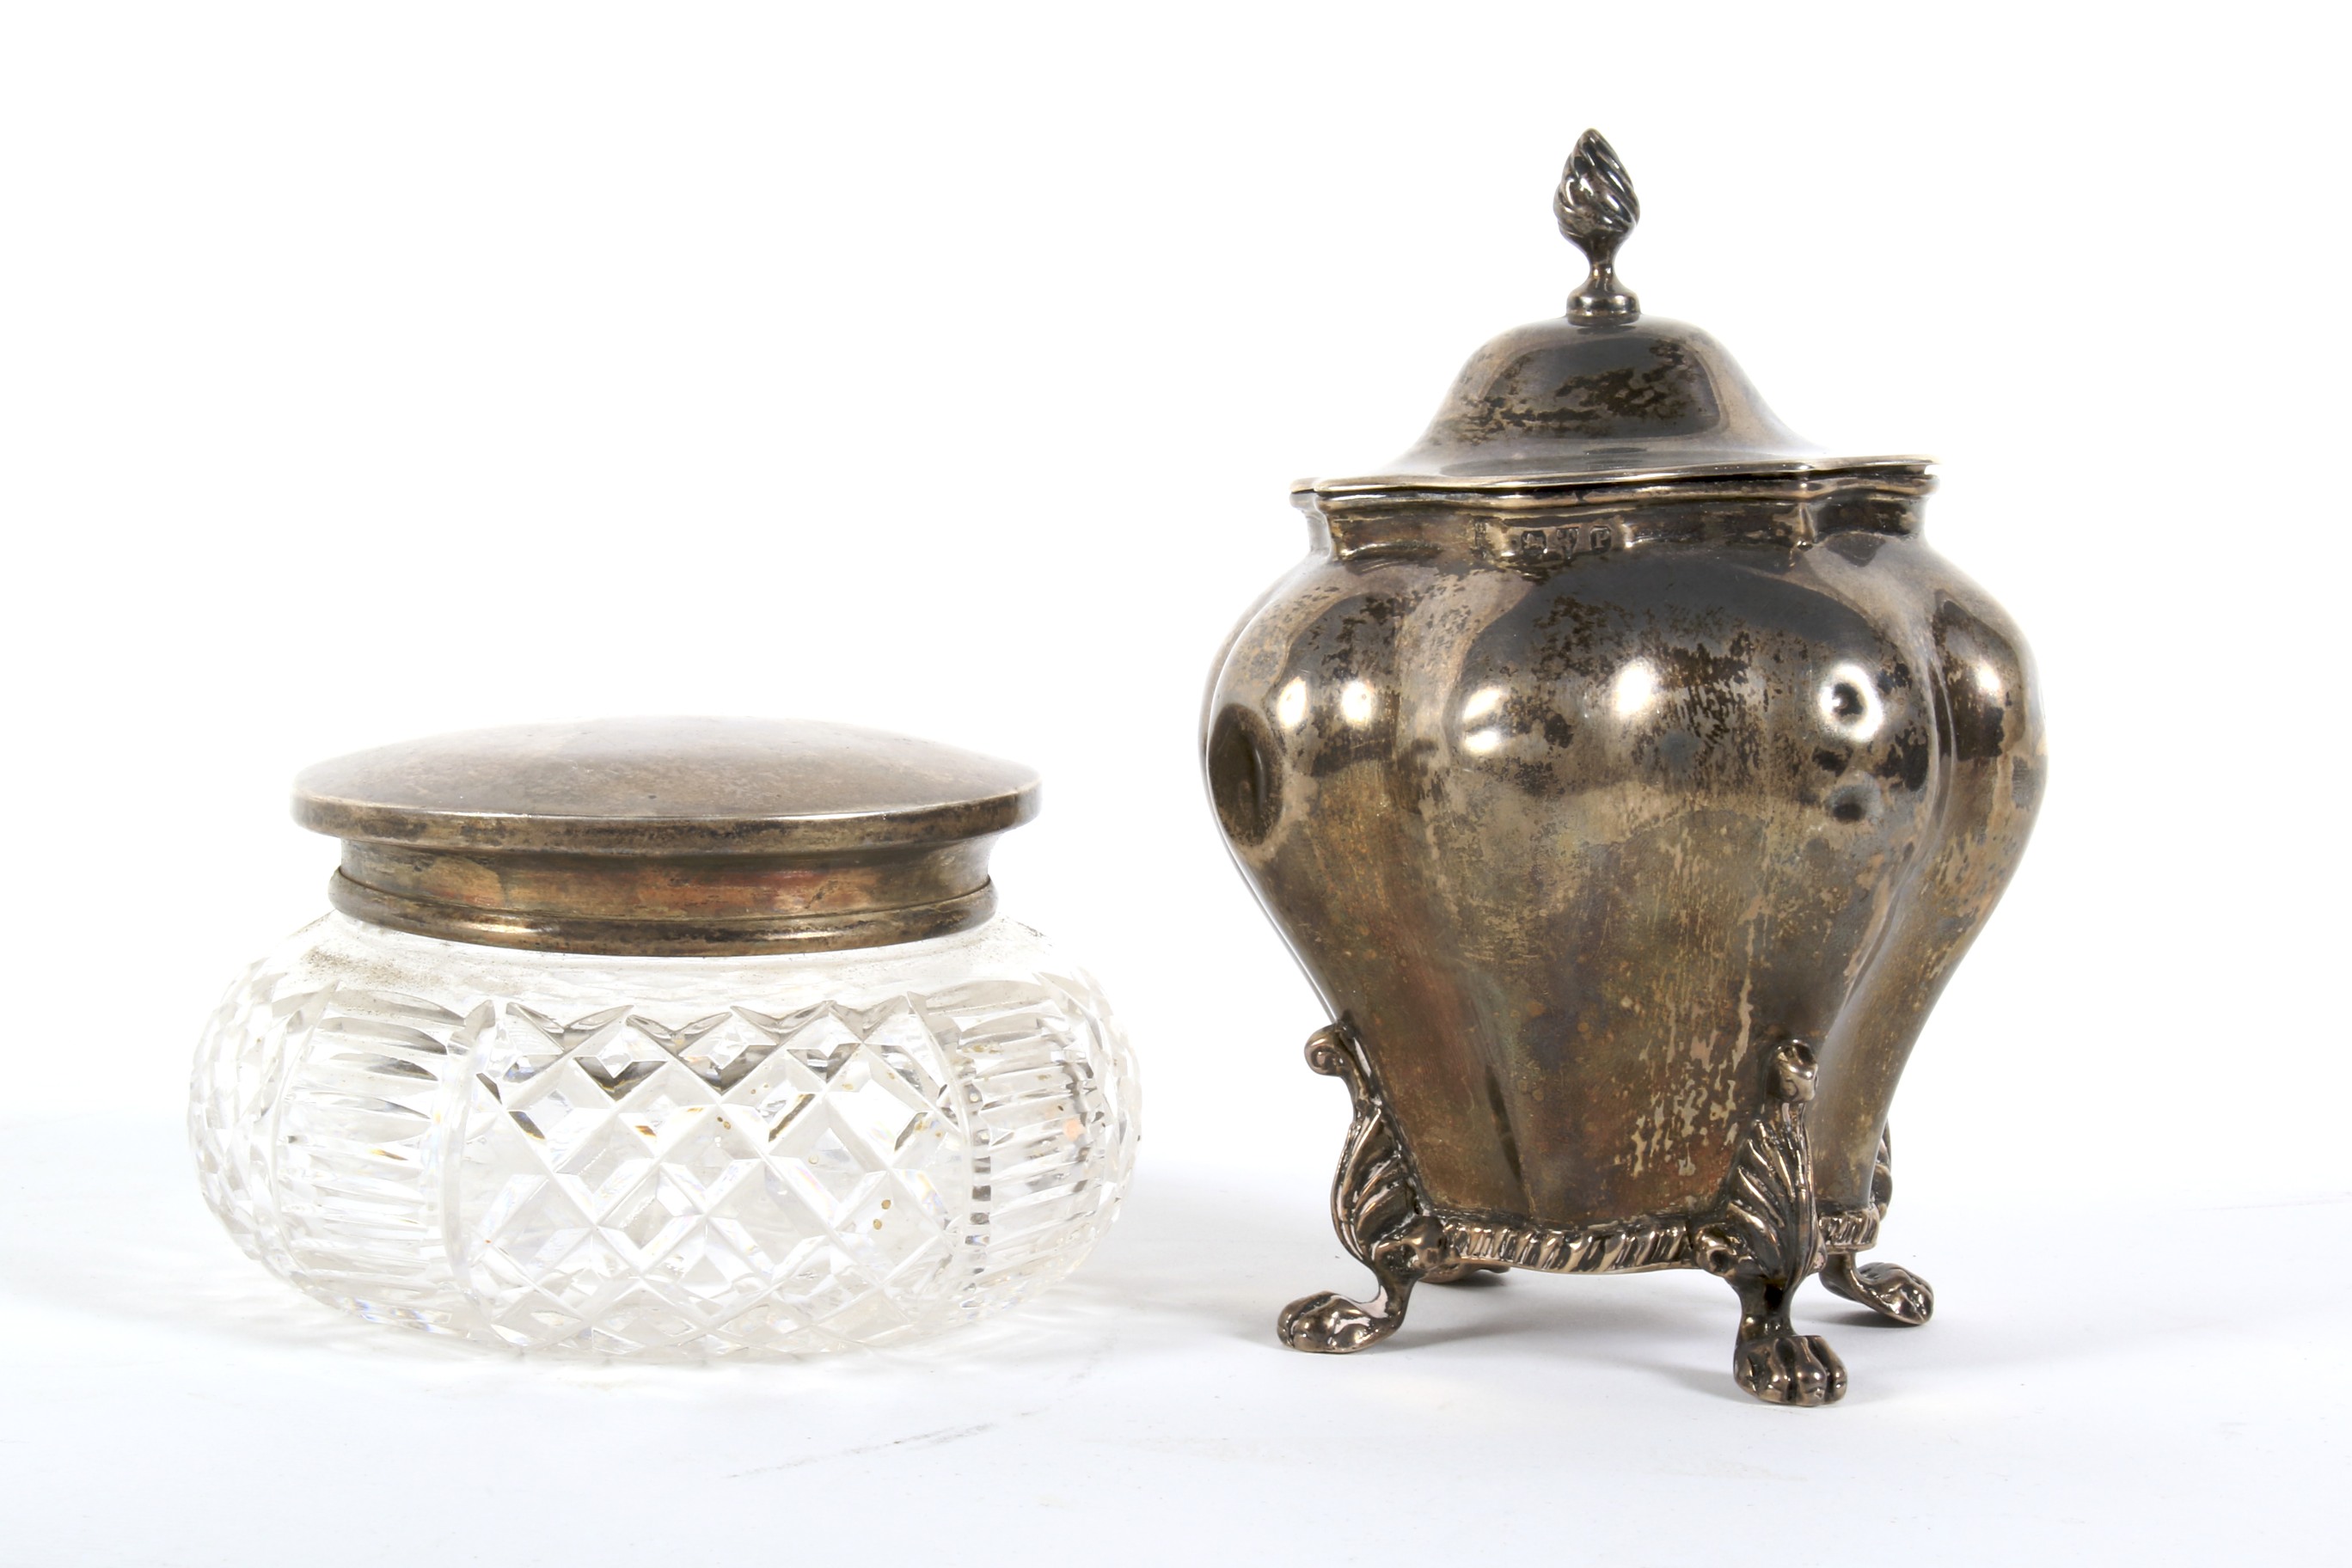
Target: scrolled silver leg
1377 1213
1767 1237
1891 1291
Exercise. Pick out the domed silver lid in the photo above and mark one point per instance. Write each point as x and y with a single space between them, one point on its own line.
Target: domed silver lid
1603 395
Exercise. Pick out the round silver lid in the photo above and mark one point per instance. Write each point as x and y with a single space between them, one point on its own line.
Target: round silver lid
671 836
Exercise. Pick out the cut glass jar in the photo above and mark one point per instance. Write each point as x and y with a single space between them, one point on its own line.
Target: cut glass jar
681 1038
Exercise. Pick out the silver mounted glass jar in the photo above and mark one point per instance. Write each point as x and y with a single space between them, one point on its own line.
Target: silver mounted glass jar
1630 776
679 1036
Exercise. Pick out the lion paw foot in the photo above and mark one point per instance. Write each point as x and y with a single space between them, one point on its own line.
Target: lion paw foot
1892 1292
1329 1324
1789 1368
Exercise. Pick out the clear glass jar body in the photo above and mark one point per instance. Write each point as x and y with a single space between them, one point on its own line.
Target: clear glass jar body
682 1157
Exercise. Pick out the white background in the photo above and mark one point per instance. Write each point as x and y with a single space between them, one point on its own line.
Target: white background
373 371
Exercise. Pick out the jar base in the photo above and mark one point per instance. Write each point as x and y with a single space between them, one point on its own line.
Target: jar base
676 1159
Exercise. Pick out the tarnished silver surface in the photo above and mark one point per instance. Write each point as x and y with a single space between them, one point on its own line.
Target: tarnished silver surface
1609 739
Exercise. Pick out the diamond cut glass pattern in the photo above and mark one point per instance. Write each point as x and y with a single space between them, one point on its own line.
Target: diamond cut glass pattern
779 1153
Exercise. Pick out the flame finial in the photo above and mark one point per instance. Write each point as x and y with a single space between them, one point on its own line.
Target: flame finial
1597 208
